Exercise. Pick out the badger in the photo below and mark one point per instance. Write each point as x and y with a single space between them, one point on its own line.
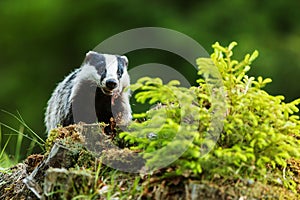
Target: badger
94 92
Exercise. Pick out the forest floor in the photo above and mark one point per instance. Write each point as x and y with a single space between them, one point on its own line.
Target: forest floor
70 170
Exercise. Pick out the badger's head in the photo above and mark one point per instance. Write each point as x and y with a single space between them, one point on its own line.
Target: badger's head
108 71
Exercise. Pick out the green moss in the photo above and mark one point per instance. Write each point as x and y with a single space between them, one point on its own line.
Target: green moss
65 184
69 132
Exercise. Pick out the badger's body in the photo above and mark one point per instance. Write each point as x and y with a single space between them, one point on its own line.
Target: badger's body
94 92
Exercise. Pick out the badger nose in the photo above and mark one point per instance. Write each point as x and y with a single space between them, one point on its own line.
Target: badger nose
111 84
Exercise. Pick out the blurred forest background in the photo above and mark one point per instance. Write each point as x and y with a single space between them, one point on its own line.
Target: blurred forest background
42 41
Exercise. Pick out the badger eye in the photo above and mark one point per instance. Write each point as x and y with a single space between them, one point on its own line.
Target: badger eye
119 75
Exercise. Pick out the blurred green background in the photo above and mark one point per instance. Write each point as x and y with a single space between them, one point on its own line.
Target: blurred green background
42 41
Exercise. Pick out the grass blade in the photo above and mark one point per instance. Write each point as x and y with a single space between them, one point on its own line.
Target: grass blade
18 132
5 145
21 120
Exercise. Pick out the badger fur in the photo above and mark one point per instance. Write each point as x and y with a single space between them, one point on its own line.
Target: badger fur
93 92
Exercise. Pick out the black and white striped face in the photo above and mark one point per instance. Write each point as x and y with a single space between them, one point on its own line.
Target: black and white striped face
110 69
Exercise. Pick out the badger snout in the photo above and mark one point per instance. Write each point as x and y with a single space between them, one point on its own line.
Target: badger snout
111 84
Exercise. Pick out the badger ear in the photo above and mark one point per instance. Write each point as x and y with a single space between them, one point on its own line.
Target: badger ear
94 58
125 60
89 55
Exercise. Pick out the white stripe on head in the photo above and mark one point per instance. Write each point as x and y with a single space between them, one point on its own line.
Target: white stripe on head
111 66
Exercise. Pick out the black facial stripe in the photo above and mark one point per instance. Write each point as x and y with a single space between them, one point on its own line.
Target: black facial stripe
120 67
103 75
